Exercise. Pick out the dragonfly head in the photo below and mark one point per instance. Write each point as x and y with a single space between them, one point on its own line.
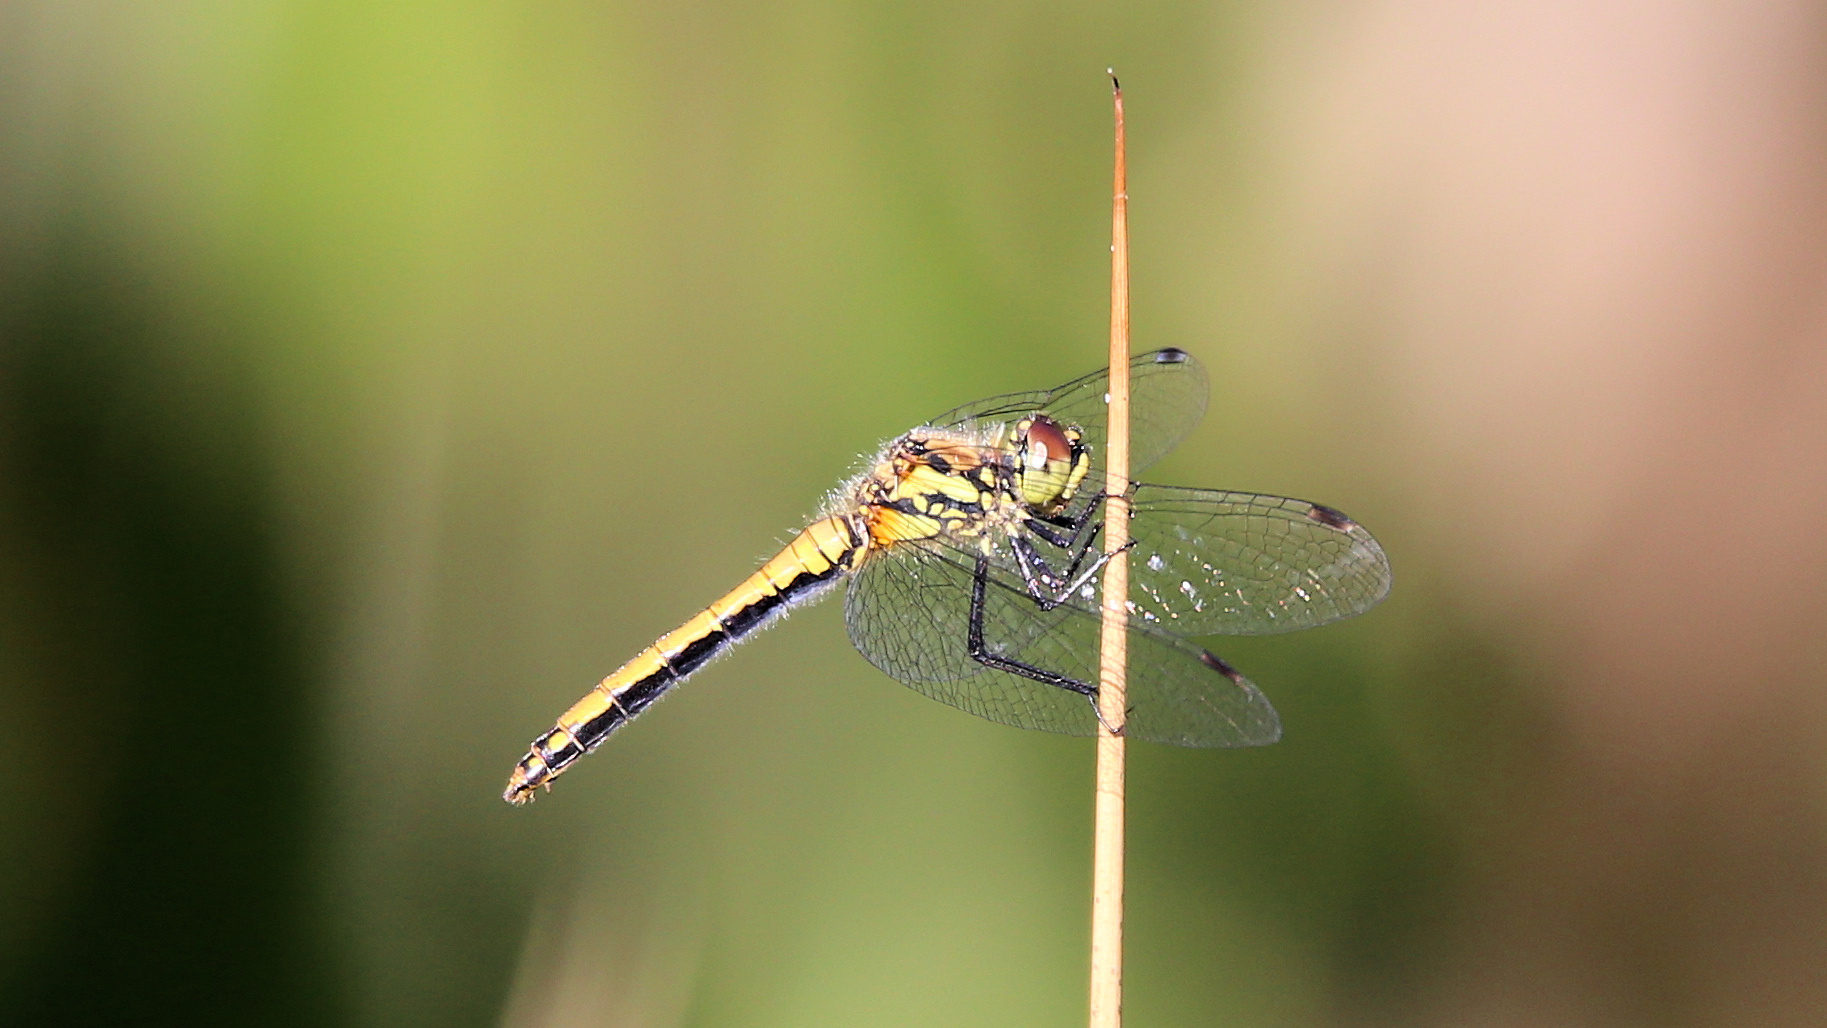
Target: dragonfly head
1050 461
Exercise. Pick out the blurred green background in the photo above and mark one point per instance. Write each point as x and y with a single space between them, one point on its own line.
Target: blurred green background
374 378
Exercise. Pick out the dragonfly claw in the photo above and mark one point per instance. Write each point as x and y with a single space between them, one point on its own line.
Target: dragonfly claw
1099 713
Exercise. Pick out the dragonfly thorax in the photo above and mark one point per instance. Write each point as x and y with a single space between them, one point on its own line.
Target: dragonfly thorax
935 481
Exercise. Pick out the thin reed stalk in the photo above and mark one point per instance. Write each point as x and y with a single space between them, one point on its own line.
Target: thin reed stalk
1107 845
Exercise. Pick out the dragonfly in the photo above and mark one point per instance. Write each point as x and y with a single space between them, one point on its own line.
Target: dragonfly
970 551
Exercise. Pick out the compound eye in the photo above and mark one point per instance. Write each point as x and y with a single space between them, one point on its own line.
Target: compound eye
1047 441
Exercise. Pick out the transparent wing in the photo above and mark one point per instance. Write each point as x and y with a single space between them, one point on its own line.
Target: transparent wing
1222 563
1167 394
909 611
1207 562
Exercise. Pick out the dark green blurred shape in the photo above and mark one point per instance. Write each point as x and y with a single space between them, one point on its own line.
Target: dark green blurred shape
156 644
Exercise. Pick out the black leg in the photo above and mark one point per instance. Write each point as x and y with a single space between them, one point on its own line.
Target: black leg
1050 588
1052 536
1077 540
1093 505
980 653
1074 522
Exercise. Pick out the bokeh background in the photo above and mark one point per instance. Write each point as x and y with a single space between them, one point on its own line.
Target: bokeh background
375 377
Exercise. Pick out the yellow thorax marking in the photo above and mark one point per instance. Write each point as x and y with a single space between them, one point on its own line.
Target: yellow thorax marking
924 480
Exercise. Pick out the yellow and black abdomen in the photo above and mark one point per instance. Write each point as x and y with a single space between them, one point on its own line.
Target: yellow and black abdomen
816 558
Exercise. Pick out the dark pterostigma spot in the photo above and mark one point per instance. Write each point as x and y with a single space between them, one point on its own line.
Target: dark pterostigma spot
1216 663
1170 355
1331 518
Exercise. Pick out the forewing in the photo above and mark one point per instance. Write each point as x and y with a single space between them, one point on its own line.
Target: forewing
1167 396
1225 563
908 611
1207 562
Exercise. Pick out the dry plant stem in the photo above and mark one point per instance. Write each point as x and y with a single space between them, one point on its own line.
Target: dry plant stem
1107 846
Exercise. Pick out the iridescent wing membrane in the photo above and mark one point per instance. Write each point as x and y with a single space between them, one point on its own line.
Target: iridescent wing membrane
1205 563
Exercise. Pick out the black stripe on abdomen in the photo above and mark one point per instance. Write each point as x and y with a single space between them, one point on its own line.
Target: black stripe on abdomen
598 728
640 695
807 579
746 619
619 710
697 652
749 618
558 757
